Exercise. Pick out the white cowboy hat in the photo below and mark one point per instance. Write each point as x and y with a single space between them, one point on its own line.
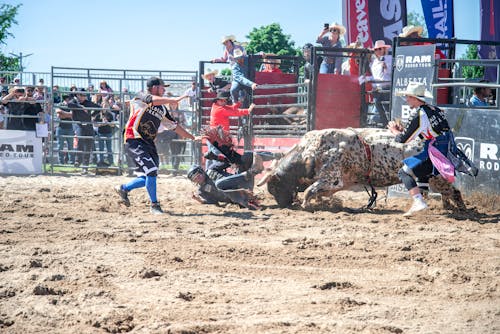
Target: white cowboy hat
417 90
380 44
228 38
339 27
214 73
408 30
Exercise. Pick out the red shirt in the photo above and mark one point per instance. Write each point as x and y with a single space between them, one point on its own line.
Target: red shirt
219 115
272 70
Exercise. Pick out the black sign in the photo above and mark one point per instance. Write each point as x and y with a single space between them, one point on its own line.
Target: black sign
477 133
387 19
411 64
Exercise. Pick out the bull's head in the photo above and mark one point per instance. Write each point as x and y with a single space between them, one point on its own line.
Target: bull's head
287 177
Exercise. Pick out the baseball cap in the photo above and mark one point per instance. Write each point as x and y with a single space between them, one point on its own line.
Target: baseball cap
156 81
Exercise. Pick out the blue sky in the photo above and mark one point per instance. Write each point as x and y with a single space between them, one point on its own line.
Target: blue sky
165 35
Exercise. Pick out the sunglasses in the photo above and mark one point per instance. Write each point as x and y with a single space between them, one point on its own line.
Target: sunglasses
335 30
378 49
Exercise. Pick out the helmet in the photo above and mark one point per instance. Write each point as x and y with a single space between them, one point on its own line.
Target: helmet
195 169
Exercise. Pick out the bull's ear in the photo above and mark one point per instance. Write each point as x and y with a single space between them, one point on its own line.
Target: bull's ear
309 165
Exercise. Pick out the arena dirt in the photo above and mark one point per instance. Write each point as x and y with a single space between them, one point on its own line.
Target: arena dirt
72 260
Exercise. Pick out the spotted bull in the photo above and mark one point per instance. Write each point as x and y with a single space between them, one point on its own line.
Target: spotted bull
330 160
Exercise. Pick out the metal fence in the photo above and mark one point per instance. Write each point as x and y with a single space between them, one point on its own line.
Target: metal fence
60 148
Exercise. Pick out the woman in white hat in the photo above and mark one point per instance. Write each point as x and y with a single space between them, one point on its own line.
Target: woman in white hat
332 40
381 68
237 57
428 122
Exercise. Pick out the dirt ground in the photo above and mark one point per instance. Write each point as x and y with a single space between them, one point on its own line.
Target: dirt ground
72 260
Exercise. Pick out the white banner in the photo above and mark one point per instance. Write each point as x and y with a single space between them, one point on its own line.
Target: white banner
20 152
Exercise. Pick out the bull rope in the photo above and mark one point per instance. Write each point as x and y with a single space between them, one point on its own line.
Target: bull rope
372 192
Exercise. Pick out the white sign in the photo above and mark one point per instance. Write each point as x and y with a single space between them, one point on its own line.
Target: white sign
20 152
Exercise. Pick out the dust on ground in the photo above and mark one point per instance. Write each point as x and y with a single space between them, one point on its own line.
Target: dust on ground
72 260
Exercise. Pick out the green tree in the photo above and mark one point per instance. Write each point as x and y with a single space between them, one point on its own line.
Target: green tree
416 19
472 72
270 39
7 20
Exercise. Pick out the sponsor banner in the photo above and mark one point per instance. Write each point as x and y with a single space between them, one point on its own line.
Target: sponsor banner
20 152
490 31
371 20
477 133
438 18
412 63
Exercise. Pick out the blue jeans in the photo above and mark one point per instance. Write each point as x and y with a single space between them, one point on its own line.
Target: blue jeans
105 140
236 181
240 86
382 108
326 68
421 164
65 136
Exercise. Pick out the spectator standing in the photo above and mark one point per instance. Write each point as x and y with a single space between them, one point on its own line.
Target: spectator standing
39 94
147 112
193 94
308 67
3 84
105 91
241 86
56 94
92 94
329 37
81 113
216 83
33 110
3 109
15 107
22 107
104 122
428 122
381 67
64 132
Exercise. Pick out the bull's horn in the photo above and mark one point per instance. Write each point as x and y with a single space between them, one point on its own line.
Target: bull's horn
269 172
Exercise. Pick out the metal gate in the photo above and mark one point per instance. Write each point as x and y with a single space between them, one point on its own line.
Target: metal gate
107 154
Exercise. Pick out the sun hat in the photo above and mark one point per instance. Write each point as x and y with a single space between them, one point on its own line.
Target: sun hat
417 90
214 73
156 81
339 27
408 30
228 38
380 44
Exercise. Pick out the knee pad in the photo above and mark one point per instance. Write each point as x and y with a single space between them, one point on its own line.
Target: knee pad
406 178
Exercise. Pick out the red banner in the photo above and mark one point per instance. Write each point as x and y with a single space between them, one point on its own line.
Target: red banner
371 20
